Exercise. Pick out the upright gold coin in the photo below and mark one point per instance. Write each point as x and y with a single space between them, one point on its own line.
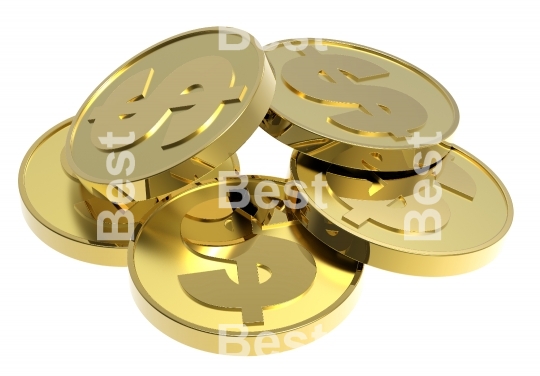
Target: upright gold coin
443 221
62 213
356 107
245 280
171 114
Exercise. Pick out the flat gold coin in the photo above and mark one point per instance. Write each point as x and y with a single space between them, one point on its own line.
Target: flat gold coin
62 213
175 112
446 220
356 107
245 280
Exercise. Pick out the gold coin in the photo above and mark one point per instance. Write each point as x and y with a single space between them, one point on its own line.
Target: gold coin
356 107
259 284
446 220
175 111
62 213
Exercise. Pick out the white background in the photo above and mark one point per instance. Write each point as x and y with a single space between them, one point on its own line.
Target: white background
60 316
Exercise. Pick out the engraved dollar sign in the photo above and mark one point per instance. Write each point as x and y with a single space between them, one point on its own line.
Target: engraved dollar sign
396 213
337 80
292 273
197 89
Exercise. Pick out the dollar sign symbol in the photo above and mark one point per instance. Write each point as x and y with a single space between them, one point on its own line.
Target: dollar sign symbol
336 80
395 214
293 271
197 89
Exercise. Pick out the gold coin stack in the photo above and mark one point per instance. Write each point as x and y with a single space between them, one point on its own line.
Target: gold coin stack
146 175
370 132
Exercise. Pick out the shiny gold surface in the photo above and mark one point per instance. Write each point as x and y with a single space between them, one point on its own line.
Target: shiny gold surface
354 106
196 266
188 105
365 215
61 212
265 277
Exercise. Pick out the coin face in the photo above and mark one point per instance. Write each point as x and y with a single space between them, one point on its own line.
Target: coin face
227 279
176 111
354 106
446 220
62 213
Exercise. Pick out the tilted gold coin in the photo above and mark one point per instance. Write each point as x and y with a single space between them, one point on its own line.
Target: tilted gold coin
62 213
354 106
246 280
446 220
175 112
